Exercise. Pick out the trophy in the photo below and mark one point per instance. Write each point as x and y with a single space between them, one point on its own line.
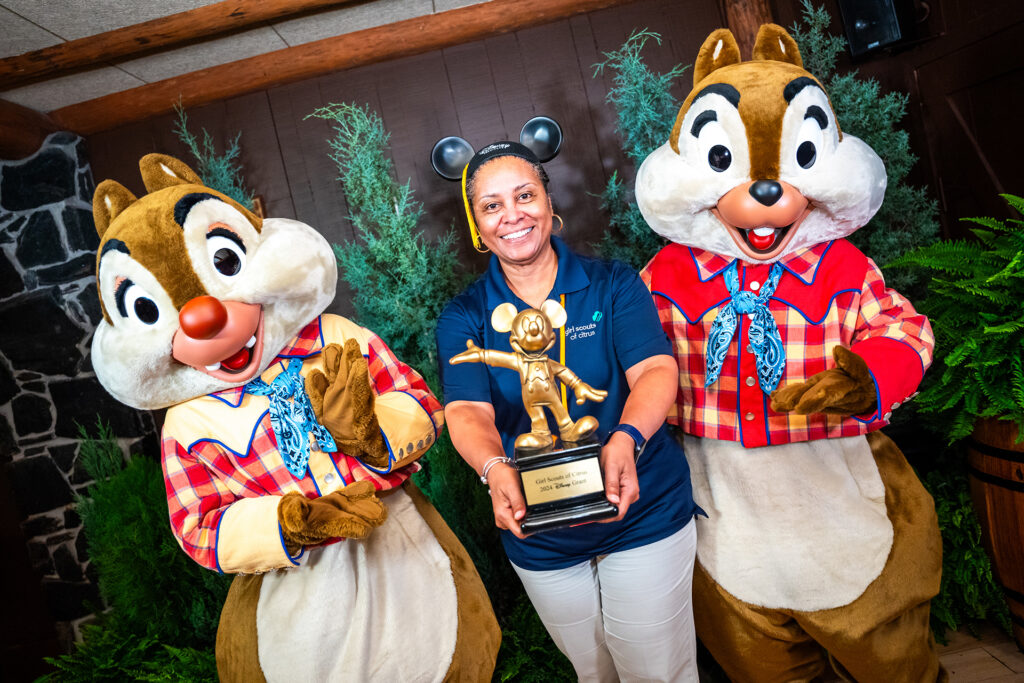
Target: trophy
561 477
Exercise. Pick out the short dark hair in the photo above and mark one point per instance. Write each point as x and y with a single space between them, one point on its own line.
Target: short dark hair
488 154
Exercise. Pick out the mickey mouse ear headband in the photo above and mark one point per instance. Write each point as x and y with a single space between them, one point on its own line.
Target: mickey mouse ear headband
453 158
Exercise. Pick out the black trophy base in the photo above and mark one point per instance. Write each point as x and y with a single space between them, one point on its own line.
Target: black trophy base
563 486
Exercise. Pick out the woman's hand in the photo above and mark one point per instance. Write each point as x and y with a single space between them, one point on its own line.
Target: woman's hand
506 497
620 483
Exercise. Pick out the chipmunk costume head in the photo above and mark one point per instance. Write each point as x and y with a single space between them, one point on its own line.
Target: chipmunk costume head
198 293
792 354
284 424
756 166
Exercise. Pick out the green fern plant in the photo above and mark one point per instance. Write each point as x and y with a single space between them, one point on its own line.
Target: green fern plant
222 172
164 608
645 111
969 592
976 310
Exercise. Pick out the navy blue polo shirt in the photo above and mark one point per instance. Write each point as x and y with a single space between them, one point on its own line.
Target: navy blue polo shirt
612 324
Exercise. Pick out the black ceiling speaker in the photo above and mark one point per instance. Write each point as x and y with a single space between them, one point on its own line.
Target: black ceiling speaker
870 24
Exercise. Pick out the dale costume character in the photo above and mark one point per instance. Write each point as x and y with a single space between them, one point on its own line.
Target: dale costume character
820 543
288 444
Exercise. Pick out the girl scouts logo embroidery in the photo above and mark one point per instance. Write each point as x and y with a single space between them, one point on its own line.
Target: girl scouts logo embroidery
584 331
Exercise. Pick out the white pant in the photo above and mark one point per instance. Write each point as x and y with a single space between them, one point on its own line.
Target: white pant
625 616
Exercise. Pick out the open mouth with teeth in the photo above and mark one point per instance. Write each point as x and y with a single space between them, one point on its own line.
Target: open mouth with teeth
517 234
765 241
243 363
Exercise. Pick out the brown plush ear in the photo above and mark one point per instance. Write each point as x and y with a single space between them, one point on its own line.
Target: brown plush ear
160 171
720 49
109 199
773 42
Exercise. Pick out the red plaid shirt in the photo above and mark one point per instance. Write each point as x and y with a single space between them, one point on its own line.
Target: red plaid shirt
204 478
828 295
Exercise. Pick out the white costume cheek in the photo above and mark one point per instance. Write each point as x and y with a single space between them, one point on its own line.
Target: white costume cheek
846 190
675 199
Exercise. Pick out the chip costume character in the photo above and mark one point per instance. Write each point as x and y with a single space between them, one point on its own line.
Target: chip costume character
288 443
820 545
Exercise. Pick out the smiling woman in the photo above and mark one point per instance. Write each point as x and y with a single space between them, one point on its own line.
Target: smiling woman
628 616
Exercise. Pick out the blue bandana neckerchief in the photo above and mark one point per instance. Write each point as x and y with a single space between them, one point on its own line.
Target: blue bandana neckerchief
293 421
763 335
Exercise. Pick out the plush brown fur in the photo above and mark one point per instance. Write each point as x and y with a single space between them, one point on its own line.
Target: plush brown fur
237 651
477 642
147 226
847 389
351 512
889 620
762 103
344 387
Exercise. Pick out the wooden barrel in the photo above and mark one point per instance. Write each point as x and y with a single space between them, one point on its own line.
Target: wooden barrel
996 468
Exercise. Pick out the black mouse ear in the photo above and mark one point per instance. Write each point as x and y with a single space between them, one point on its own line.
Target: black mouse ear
543 136
449 156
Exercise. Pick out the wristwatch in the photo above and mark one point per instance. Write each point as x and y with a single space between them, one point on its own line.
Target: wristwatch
638 439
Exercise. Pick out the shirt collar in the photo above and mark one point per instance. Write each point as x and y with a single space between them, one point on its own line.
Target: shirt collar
803 263
571 277
308 342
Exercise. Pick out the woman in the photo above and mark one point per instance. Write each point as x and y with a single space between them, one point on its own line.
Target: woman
614 596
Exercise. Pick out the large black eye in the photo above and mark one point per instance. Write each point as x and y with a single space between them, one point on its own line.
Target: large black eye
719 157
226 261
226 250
806 153
146 310
134 302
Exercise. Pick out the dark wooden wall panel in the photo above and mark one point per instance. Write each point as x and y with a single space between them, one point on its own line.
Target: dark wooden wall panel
482 91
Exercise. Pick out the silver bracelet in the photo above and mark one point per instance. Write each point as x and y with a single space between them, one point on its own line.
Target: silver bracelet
491 463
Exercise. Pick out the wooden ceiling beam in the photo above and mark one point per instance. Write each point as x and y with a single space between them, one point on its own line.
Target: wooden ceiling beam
22 130
381 43
150 36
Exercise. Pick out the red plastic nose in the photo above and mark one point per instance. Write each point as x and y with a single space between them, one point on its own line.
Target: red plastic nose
203 317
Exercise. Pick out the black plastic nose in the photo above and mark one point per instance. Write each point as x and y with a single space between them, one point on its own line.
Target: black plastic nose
766 191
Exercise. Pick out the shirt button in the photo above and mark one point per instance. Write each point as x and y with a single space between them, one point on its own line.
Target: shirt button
329 478
750 349
748 417
751 381
887 417
755 285
895 405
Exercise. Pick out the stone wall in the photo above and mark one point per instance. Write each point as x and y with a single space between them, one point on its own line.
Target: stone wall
48 310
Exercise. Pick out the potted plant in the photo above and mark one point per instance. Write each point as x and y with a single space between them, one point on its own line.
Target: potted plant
976 307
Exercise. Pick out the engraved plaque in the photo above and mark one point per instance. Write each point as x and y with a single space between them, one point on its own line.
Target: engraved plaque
563 486
559 482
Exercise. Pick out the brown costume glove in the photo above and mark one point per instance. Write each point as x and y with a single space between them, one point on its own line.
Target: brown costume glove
351 512
343 401
846 389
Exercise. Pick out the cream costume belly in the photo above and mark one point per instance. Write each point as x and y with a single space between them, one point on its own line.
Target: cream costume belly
360 595
798 526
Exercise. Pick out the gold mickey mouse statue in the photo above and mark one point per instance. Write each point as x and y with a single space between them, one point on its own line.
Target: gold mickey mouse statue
533 333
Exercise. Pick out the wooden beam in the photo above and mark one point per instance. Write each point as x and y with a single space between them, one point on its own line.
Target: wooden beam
744 18
400 39
22 130
149 36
